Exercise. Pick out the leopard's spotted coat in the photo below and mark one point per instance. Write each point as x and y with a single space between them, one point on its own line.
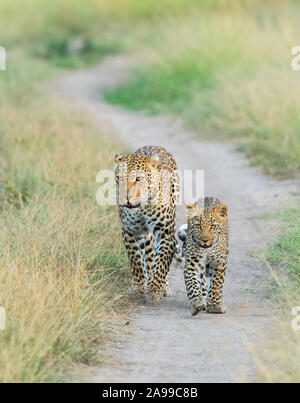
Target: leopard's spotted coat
206 249
147 192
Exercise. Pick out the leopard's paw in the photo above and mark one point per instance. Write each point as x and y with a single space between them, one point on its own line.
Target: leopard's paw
138 289
215 308
153 295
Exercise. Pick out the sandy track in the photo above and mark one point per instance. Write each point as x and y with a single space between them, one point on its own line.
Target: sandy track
164 344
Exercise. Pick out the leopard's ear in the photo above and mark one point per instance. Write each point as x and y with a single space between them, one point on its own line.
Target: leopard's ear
192 210
221 211
118 157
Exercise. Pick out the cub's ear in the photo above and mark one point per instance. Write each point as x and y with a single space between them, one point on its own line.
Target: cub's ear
118 157
221 211
192 210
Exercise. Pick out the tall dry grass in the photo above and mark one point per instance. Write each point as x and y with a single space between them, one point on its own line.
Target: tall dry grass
60 287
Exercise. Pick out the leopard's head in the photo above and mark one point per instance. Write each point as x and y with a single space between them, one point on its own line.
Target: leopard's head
137 178
206 224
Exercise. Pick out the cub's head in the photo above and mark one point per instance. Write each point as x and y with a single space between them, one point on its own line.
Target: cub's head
205 224
136 179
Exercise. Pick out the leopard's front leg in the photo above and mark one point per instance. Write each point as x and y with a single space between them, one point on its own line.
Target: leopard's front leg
195 282
165 250
135 247
215 293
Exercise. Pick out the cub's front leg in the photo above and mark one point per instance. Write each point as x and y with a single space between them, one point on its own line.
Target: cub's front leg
215 293
195 282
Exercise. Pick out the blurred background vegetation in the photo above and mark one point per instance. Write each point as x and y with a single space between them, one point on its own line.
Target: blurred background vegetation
223 66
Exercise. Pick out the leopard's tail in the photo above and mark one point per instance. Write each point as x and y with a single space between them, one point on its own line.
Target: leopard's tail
180 251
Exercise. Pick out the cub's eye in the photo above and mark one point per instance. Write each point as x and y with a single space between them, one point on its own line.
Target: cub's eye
138 179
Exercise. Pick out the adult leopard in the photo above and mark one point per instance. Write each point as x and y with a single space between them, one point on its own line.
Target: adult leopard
147 194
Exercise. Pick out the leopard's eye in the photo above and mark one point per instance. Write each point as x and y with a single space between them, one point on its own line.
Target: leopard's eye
213 226
138 179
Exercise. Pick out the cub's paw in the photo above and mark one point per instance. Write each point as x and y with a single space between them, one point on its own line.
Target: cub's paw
215 308
197 307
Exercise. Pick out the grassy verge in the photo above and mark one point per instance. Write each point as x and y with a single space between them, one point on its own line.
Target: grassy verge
285 253
279 359
60 289
219 70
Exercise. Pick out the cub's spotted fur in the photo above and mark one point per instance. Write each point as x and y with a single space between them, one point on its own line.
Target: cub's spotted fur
147 191
205 242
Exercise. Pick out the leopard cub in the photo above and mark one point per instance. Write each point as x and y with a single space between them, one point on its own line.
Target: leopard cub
205 244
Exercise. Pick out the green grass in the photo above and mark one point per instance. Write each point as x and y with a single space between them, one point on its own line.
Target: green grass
86 51
56 30
278 359
221 73
178 73
47 29
164 89
284 254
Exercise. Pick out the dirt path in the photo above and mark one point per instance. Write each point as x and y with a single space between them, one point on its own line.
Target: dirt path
164 344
